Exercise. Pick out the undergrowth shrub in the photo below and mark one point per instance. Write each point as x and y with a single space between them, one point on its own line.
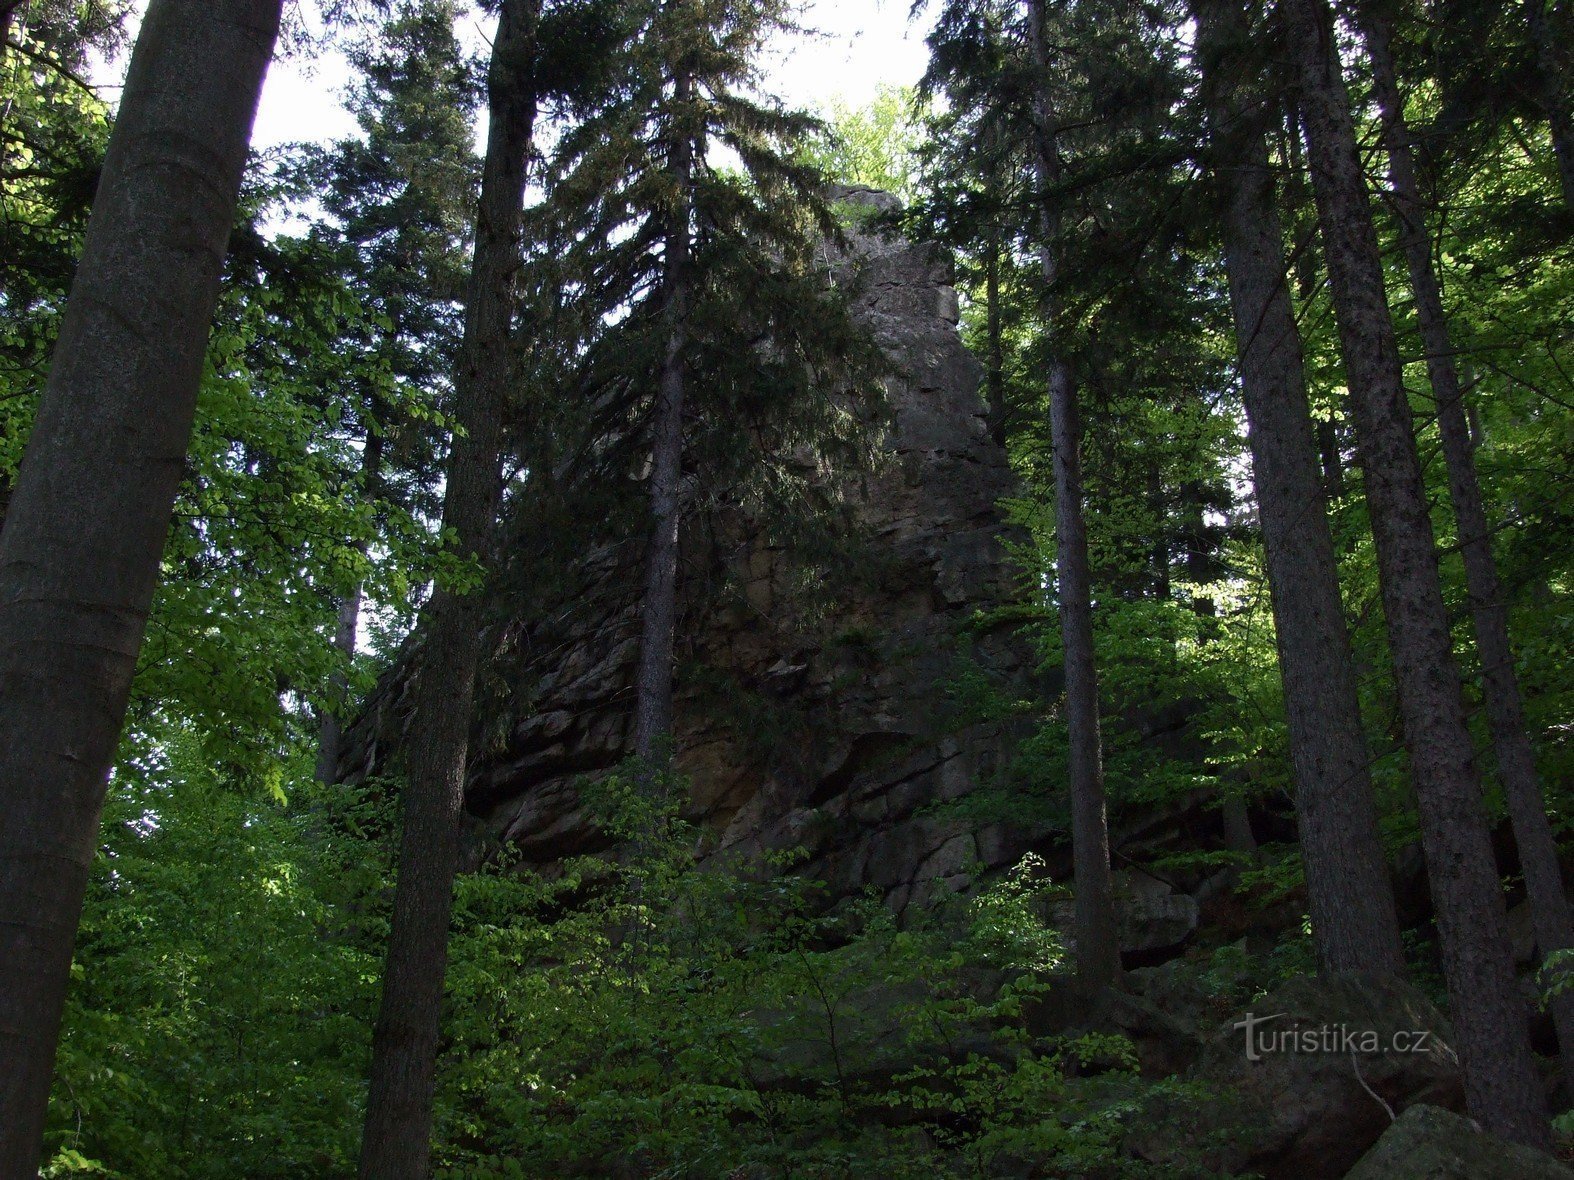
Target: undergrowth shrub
651 1016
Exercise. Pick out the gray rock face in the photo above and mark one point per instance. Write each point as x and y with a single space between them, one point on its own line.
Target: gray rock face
1429 1143
1153 915
1329 1058
816 716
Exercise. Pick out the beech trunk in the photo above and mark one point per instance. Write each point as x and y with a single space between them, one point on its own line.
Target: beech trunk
1354 925
1097 932
87 521
397 1140
1538 849
1502 1089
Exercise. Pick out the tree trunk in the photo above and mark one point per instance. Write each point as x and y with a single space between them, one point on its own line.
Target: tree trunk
405 1041
1304 269
1538 849
1328 450
653 701
1098 944
329 735
1501 1086
1238 834
1549 36
995 374
1200 565
8 9
87 521
1097 933
1159 554
1354 926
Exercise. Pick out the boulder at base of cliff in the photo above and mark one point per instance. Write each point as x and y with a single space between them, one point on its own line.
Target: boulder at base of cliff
1429 1143
1327 1060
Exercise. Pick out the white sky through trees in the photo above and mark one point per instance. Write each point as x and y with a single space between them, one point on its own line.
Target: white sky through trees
860 45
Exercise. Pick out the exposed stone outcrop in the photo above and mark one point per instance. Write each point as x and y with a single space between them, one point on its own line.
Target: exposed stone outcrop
815 708
1312 1075
1429 1143
1154 915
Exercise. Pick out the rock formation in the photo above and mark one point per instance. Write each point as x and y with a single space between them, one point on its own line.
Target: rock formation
832 727
1429 1143
1298 1084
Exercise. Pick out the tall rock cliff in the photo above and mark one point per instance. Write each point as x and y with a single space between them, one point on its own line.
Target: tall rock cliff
816 709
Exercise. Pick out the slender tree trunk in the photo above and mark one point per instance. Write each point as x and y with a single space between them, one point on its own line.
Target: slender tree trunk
1159 554
1199 563
653 701
1098 943
1538 849
8 9
1304 268
329 733
1354 926
1549 37
1332 460
995 375
1097 932
1502 1088
1305 272
347 629
87 522
397 1137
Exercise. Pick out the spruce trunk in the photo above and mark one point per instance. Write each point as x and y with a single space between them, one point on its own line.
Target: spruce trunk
1502 1088
1098 943
1538 849
397 1140
995 374
86 524
1097 931
1354 925
658 622
1549 40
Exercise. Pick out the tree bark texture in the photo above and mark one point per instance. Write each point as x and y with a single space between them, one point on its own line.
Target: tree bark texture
1502 1089
397 1140
659 604
1097 931
1538 849
1354 925
86 524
